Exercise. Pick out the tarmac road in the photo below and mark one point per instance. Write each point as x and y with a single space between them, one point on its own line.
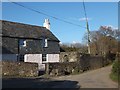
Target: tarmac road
98 78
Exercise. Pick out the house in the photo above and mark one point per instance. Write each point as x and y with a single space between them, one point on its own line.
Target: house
29 43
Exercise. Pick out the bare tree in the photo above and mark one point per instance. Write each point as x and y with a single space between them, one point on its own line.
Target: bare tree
103 41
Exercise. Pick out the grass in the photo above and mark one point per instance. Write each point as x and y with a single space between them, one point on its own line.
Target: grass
114 77
76 72
115 73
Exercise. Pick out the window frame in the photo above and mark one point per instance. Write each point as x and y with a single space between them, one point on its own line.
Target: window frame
22 42
44 56
44 42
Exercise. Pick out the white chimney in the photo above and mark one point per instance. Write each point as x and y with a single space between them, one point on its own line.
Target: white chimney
47 24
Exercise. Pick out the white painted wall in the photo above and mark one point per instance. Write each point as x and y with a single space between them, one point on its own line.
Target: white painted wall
53 58
9 57
37 58
47 24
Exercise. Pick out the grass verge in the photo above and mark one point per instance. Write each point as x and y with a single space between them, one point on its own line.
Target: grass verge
115 77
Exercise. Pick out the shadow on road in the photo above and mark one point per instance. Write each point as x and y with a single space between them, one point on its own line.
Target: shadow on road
38 83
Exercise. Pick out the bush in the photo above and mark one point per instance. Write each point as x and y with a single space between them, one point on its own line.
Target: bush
115 75
116 67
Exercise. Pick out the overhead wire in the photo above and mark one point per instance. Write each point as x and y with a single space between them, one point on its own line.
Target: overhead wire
87 24
54 17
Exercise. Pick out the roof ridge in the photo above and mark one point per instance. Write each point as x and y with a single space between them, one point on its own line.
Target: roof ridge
22 23
15 29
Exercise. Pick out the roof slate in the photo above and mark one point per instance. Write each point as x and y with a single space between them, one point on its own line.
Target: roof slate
20 30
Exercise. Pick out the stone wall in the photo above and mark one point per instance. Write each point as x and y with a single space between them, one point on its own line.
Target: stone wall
19 69
96 62
63 68
69 56
86 61
80 63
91 62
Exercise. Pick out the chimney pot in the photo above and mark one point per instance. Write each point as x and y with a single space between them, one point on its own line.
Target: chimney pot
47 24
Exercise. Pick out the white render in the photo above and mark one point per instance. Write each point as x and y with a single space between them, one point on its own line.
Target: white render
37 58
47 24
9 57
53 58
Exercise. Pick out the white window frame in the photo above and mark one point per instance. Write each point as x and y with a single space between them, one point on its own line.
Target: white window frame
46 42
24 43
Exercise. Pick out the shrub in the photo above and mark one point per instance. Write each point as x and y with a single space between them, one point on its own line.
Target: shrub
116 67
115 75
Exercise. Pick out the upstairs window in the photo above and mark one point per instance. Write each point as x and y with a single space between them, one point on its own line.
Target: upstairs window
45 42
22 42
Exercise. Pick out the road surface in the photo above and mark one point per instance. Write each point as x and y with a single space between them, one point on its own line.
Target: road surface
98 78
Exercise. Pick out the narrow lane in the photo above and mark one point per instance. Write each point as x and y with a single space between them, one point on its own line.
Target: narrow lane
98 78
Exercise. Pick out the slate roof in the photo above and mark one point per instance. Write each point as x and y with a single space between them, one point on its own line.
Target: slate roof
20 30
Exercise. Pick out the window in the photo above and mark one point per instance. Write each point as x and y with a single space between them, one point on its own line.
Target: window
44 57
45 42
21 58
22 42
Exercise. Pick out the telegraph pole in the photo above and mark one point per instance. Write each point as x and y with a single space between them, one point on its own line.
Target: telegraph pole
88 37
87 26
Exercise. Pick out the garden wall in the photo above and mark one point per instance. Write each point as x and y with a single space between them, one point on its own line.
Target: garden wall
19 69
83 62
69 56
63 68
91 62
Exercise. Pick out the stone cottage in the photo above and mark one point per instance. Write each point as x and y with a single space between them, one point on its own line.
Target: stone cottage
29 43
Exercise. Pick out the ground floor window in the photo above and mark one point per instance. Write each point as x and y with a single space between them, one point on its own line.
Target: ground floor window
21 58
44 57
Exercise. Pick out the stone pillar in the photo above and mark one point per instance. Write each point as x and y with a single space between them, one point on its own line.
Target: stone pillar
47 68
